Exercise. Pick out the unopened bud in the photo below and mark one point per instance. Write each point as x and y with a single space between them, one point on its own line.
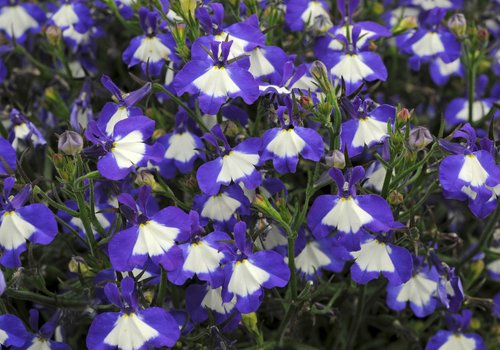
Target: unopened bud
419 138
409 22
483 35
335 159
318 69
58 159
395 198
145 178
305 101
53 34
158 133
78 265
70 143
458 25
403 115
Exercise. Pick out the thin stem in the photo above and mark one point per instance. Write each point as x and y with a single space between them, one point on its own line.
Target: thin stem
57 301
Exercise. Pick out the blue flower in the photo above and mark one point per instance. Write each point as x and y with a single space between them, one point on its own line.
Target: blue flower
222 208
431 40
216 80
133 327
113 112
42 338
151 50
457 110
367 126
150 235
455 338
307 14
8 162
348 212
249 273
420 291
233 164
202 255
471 173
378 256
81 110
202 299
12 331
182 149
125 149
284 145
312 256
19 223
17 20
24 131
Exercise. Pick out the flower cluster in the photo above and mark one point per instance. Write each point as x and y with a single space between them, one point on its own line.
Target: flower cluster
279 175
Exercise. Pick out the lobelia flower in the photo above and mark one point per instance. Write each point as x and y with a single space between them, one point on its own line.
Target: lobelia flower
420 291
151 50
367 126
267 62
150 235
12 331
216 80
471 173
427 5
72 14
369 31
229 112
246 35
312 256
202 255
125 149
378 256
348 212
125 8
495 308
457 110
19 223
222 207
233 164
249 273
81 110
202 299
182 148
455 338
353 65
8 158
431 40
23 131
308 14
113 112
42 338
284 145
19 19
441 71
134 327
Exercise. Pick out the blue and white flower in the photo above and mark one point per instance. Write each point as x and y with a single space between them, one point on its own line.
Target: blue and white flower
19 19
249 273
134 327
20 223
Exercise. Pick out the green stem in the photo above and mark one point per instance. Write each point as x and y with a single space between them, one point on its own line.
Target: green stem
472 87
358 317
85 218
162 289
38 191
46 300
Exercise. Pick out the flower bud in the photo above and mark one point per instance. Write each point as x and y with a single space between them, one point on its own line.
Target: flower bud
483 35
318 69
420 137
458 25
305 102
77 265
335 159
158 133
395 198
409 22
403 115
145 178
70 143
53 34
